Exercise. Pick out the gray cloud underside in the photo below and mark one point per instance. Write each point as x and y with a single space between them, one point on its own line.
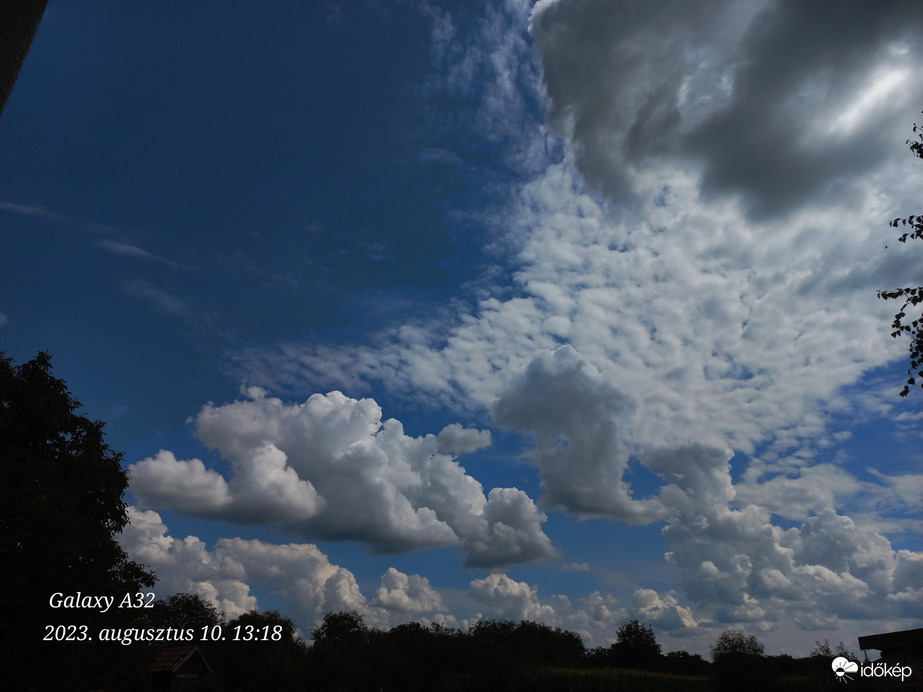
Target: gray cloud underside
767 98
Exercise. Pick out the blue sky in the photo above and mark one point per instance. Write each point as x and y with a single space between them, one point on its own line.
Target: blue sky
437 312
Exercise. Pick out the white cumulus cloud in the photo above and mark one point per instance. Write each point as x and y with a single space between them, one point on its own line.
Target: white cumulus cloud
408 593
332 469
301 573
505 598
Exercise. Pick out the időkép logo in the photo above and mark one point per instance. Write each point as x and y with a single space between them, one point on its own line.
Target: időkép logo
842 667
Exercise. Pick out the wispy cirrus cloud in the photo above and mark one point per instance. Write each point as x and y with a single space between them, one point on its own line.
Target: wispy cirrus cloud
156 296
32 210
129 250
109 243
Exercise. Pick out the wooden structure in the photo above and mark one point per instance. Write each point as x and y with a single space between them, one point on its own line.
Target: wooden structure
899 648
177 669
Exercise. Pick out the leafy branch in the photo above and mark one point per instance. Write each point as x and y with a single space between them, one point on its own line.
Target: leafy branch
912 295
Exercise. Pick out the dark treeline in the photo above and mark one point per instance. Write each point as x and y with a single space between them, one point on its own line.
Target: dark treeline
348 655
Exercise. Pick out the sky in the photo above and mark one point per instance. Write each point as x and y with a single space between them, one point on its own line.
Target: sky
441 312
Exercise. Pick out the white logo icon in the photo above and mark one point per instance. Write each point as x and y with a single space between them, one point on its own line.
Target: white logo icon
842 666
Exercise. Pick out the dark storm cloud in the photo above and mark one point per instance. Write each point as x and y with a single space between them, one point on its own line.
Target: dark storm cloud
799 56
612 72
749 90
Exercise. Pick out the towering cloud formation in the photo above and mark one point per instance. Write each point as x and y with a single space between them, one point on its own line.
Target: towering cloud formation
572 411
331 468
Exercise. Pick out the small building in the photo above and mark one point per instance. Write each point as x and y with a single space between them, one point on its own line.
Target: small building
177 668
903 648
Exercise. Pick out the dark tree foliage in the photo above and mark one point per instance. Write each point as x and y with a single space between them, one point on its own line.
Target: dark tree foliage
540 646
184 611
912 324
735 643
636 646
413 658
599 657
61 508
340 629
502 652
494 665
348 655
422 658
739 663
340 657
260 652
823 648
684 663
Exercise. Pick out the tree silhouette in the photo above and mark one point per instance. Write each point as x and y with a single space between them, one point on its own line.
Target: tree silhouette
421 658
823 648
736 643
912 324
636 646
339 629
61 508
340 655
684 663
184 611
739 663
259 652
538 646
